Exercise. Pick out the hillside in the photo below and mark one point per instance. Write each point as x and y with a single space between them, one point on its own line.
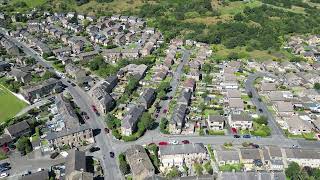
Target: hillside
236 26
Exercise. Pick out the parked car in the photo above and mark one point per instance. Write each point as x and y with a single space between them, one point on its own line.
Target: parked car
5 164
254 145
165 110
106 130
94 108
246 136
185 142
111 154
234 130
2 175
94 149
173 142
54 155
163 143
260 110
236 136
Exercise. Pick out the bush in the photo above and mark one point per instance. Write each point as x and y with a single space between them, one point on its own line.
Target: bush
123 165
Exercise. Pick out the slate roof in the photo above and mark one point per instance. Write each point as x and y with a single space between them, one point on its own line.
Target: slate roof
76 161
18 127
132 116
41 175
303 153
138 160
182 149
226 155
216 118
250 153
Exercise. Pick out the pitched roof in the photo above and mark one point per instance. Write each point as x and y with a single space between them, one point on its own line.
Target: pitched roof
76 161
302 153
138 160
18 127
182 149
283 106
226 155
41 175
250 153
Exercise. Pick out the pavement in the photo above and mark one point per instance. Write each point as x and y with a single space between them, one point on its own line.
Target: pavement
82 99
107 143
249 86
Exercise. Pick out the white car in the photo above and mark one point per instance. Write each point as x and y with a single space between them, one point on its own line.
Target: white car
2 175
173 142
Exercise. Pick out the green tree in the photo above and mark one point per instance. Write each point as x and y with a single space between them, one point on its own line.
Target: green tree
173 173
261 120
147 120
316 86
293 171
123 165
163 126
24 145
198 168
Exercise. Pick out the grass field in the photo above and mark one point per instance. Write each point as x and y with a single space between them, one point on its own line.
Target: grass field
9 104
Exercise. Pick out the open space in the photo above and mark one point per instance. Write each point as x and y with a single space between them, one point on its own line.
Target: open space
10 105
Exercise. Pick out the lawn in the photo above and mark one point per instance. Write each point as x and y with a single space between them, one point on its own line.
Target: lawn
229 168
30 3
9 104
213 132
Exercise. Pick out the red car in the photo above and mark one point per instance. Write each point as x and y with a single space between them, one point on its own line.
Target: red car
165 111
94 108
234 130
163 143
185 142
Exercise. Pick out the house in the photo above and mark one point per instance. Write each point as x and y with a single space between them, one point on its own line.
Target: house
76 166
102 99
87 55
111 82
17 130
276 158
66 112
139 162
251 176
236 105
185 97
147 49
20 75
178 119
216 122
40 175
233 93
181 154
227 157
40 90
4 66
147 98
251 158
275 96
298 126
120 39
284 108
267 87
74 137
304 157
130 120
75 71
240 121
190 84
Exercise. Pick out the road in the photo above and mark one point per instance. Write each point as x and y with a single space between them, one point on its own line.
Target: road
174 84
82 99
249 86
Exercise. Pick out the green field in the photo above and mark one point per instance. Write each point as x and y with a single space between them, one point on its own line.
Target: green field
9 104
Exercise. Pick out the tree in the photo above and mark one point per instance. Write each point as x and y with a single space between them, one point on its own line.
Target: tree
123 165
147 120
198 168
163 86
163 126
112 121
316 86
173 173
293 171
262 120
208 167
24 145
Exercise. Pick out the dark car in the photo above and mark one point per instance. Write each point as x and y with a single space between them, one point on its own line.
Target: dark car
73 84
236 136
5 164
246 136
94 149
106 130
54 155
111 154
185 142
260 110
